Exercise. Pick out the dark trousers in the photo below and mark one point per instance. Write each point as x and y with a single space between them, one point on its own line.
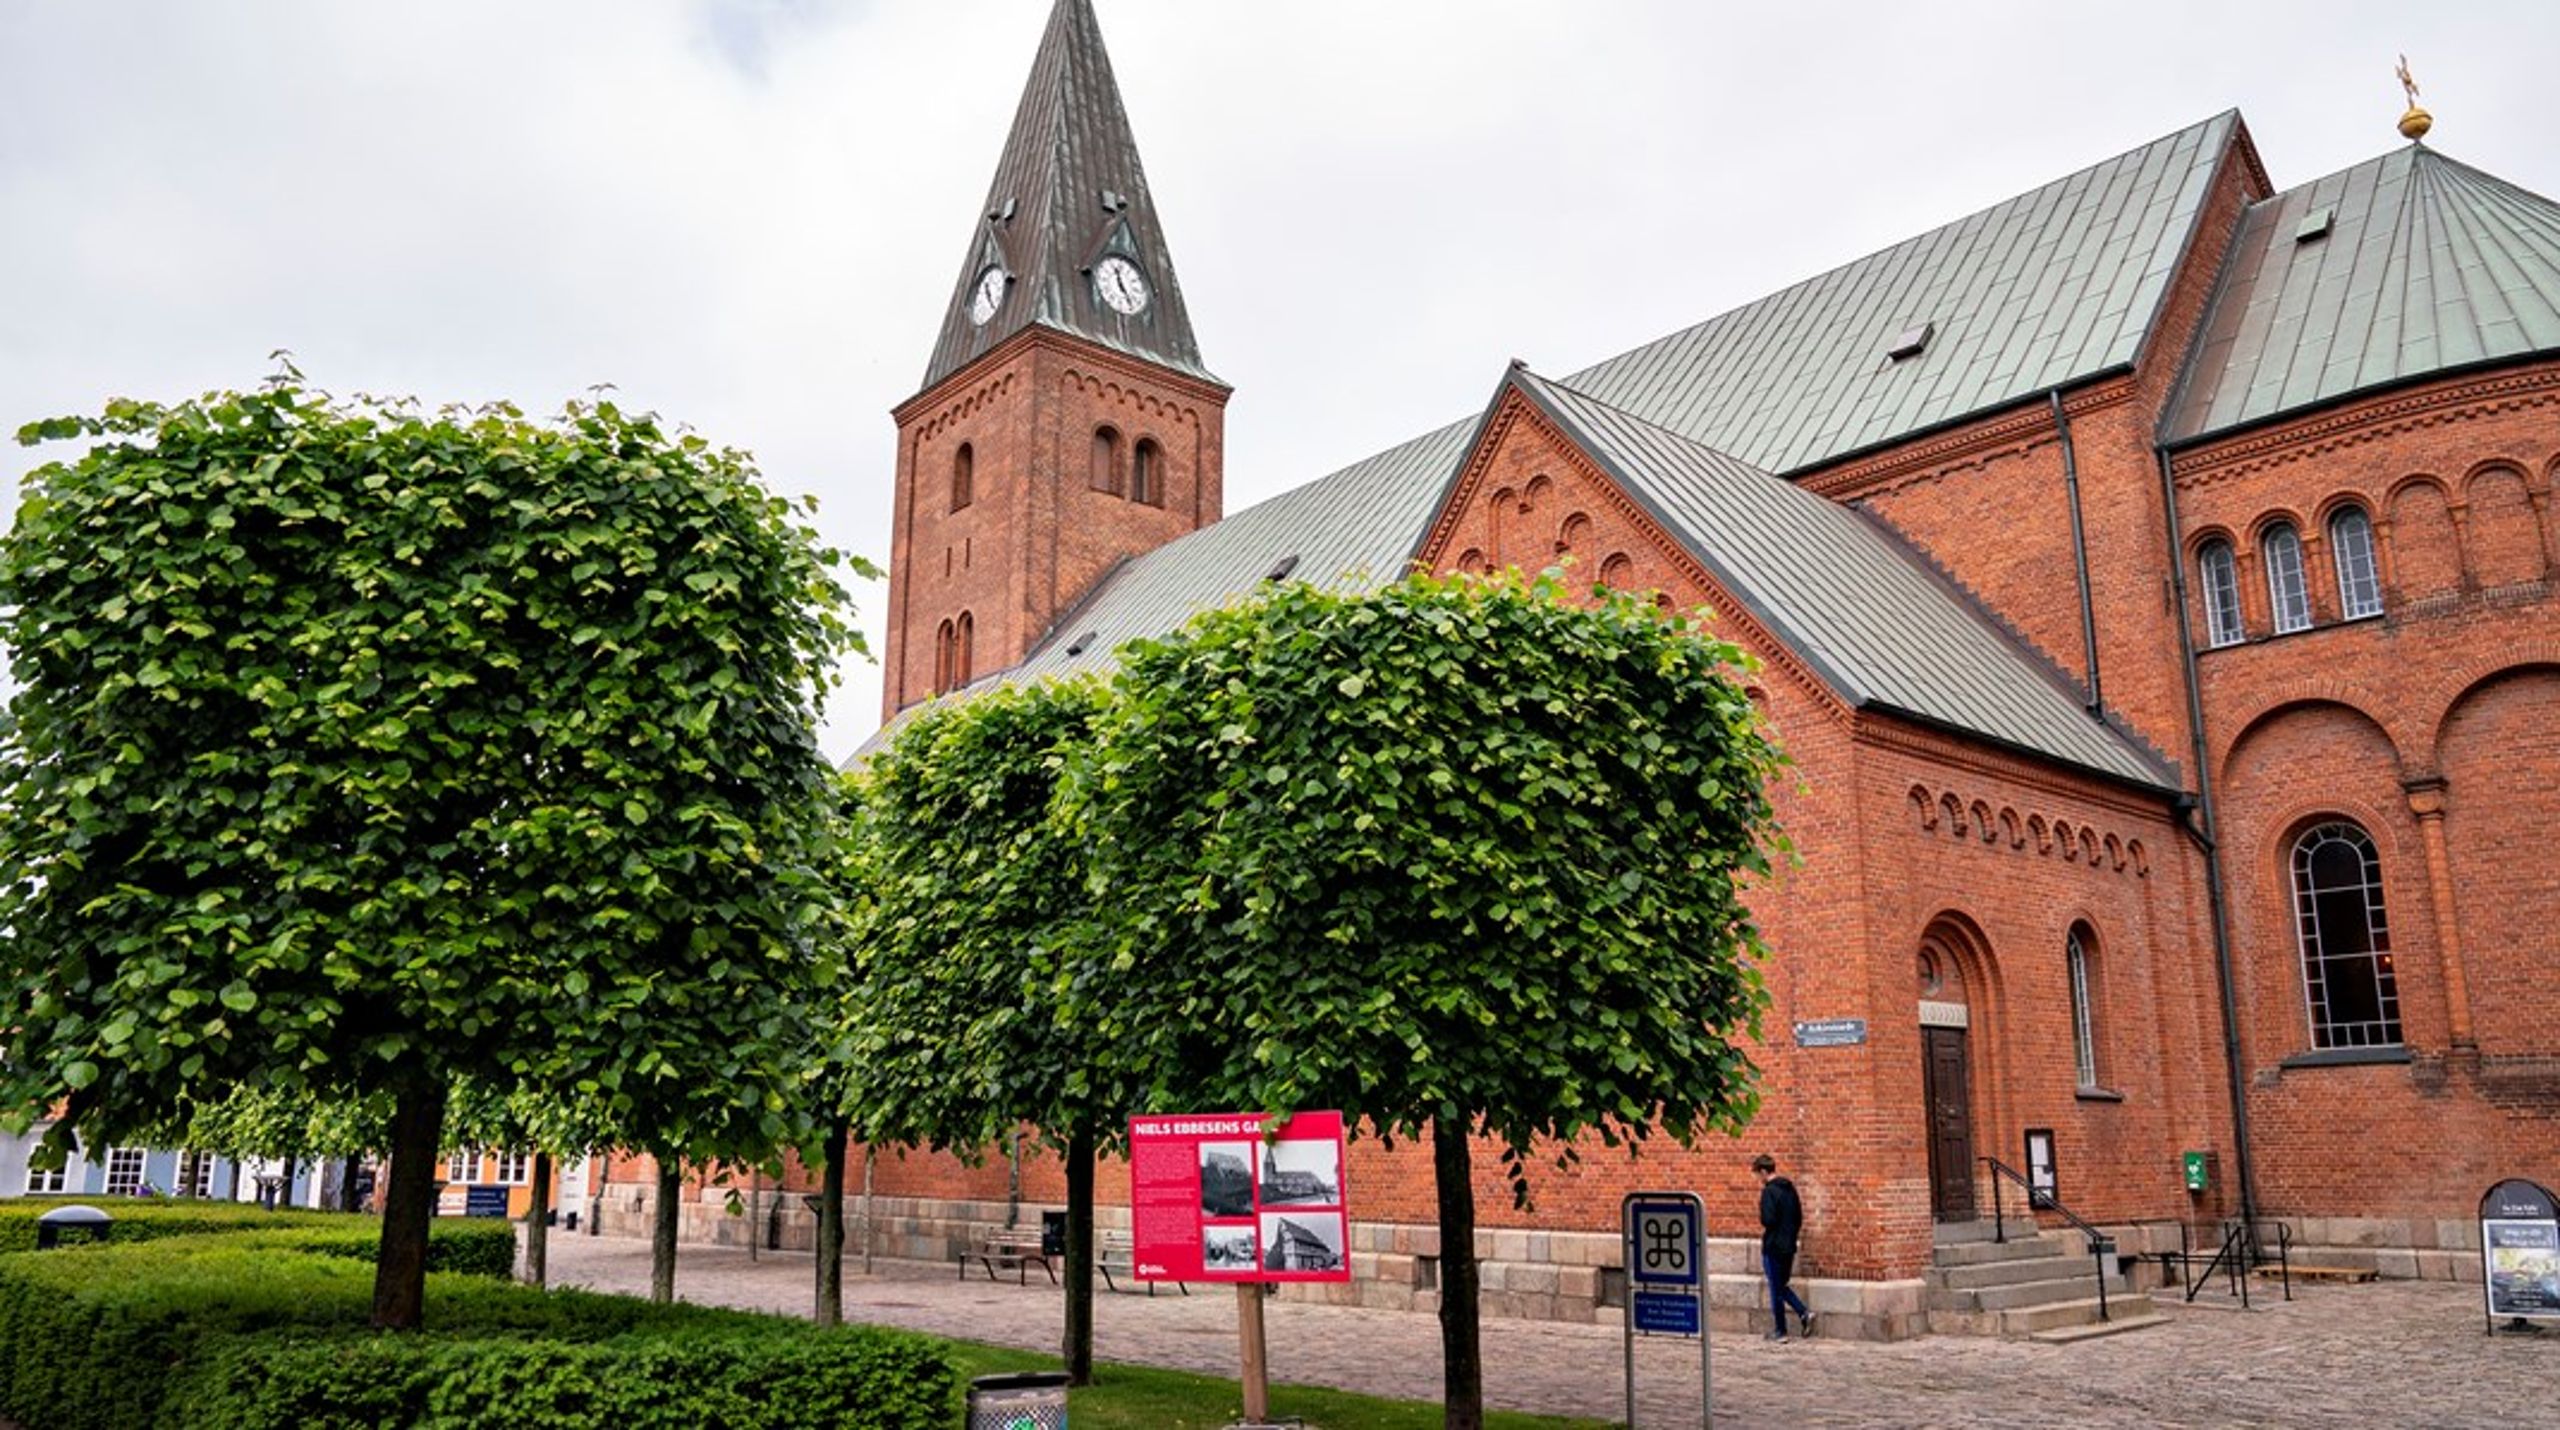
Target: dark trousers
1780 1268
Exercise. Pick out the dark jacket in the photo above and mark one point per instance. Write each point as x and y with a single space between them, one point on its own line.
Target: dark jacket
1781 1217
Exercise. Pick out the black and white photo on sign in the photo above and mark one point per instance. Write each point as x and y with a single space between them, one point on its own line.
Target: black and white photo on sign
1302 1241
1226 1248
1305 1173
1226 1178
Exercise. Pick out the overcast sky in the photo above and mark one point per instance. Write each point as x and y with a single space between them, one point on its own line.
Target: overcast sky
749 214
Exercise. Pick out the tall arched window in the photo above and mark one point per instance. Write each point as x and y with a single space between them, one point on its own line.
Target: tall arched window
2219 572
1618 571
964 474
2346 942
2351 547
964 634
2084 1021
1146 473
1105 476
2287 595
1573 535
942 650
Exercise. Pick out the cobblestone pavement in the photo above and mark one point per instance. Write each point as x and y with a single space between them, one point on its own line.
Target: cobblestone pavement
2399 1353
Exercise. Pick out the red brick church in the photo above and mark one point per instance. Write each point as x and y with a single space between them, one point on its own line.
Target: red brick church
2154 578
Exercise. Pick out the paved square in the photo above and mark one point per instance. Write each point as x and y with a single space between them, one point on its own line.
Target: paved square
2398 1353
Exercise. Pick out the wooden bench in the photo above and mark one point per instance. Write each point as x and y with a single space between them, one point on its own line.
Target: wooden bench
1114 1253
1011 1253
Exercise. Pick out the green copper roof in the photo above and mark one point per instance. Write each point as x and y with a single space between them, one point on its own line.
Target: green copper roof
1068 190
2055 286
2424 265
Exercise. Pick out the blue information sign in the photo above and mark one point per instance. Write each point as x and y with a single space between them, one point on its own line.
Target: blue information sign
484 1202
1663 1245
1667 1313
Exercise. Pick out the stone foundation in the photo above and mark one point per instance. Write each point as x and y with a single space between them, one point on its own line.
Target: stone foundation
1536 1275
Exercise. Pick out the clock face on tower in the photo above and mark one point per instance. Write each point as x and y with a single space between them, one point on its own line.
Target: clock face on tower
1120 284
988 295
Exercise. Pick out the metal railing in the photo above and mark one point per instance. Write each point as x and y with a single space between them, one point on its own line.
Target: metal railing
2237 1257
2101 1245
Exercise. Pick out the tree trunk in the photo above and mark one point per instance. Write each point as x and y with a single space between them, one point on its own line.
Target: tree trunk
831 1227
662 1244
400 1267
537 1225
1461 1347
233 1194
1079 1327
284 1191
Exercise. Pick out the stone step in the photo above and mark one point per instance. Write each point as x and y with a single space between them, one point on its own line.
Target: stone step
2025 1246
1962 1233
2347 1275
2066 1335
2058 1315
1968 1275
2025 1294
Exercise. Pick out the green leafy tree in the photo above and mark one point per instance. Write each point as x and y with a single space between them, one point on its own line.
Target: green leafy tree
362 750
1457 857
976 921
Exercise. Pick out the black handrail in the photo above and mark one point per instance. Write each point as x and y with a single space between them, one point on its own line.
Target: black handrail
2040 1200
2242 1250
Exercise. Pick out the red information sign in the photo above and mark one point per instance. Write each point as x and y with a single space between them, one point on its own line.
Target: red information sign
1212 1199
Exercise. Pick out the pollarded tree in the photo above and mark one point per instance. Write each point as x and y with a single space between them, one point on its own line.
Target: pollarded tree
359 749
1456 857
975 922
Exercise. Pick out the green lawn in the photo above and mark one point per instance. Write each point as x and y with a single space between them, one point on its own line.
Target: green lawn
1142 1398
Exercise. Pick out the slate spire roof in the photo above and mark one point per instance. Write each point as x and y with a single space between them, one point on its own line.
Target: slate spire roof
1068 190
2399 268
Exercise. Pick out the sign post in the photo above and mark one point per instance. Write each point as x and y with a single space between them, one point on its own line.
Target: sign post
2520 1253
1244 1198
1666 1257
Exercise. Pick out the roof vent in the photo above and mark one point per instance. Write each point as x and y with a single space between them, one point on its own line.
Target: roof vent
2315 224
1114 201
1082 643
1909 342
1002 214
1280 571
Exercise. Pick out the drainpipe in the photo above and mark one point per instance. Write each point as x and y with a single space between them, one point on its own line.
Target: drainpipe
2209 841
2079 555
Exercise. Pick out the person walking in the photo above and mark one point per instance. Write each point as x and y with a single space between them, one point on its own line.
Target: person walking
1781 1223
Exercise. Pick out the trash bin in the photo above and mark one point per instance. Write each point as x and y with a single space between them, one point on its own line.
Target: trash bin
1053 1233
91 1223
1036 1401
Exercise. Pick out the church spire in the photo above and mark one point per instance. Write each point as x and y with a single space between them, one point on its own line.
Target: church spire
1068 238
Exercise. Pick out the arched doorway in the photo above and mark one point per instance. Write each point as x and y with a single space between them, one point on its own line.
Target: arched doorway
1946 1070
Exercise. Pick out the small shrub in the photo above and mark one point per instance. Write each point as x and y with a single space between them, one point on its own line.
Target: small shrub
268 1328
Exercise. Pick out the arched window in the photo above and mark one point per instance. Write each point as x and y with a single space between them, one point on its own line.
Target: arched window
2219 572
1146 473
2084 1022
2351 547
1106 460
964 472
942 648
1617 571
2346 943
2287 596
964 635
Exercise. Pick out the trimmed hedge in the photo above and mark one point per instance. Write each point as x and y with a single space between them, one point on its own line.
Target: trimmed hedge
757 1379
470 1247
267 1329
146 1218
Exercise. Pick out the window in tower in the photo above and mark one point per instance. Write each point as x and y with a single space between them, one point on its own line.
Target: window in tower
1146 473
2347 977
964 473
2219 571
2351 547
2287 594
1105 476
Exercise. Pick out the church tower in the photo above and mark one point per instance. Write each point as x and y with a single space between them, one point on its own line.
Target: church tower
1065 423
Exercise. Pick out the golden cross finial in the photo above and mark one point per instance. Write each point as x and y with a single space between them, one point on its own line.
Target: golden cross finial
2416 122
